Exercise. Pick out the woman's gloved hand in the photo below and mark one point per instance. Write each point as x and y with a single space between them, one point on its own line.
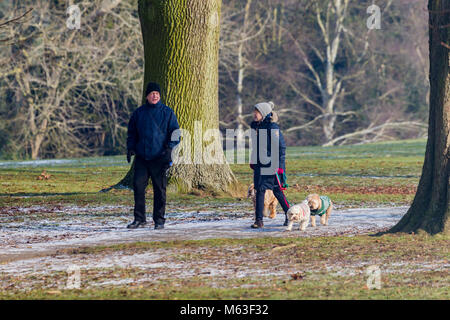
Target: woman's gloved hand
282 176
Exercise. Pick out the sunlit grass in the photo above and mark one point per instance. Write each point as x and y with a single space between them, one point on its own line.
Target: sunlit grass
348 174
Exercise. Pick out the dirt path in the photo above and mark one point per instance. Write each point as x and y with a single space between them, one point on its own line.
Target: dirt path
40 231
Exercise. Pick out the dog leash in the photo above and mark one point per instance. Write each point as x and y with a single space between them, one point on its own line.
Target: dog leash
284 187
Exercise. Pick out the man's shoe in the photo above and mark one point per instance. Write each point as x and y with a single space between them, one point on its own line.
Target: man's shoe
159 226
258 224
136 224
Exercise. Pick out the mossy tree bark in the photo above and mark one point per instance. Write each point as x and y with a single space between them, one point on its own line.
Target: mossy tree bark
181 47
430 208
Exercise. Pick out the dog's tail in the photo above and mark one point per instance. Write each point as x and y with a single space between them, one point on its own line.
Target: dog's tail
250 190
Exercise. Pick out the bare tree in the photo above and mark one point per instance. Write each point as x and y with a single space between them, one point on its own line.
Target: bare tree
6 23
238 31
331 23
67 88
185 64
343 75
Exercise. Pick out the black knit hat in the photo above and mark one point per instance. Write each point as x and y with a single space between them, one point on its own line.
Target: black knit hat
152 86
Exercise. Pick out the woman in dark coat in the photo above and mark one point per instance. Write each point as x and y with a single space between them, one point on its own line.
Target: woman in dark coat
265 162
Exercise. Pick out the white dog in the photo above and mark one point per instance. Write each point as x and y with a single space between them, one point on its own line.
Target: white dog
300 213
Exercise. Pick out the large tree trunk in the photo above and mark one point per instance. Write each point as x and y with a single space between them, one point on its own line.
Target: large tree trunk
181 46
430 208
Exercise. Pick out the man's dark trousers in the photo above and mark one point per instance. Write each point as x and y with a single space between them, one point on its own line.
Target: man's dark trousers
156 170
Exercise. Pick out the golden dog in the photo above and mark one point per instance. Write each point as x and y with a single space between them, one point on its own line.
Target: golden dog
321 206
270 202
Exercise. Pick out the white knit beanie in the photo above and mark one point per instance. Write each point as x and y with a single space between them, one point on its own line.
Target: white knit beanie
265 108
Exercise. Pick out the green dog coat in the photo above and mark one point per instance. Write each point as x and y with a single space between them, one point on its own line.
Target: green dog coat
326 202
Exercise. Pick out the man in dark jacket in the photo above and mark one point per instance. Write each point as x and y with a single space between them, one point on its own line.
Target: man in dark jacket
267 163
150 140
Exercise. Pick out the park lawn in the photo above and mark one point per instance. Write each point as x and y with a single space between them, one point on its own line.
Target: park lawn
383 174
418 285
362 175
317 268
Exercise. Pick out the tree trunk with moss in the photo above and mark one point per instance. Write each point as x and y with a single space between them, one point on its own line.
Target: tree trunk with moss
181 45
430 208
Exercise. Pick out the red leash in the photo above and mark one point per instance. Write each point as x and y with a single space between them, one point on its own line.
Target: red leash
281 188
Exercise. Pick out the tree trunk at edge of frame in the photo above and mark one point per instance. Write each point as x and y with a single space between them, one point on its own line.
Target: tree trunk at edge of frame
430 209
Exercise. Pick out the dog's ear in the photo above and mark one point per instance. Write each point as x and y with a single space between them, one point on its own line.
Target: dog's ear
311 202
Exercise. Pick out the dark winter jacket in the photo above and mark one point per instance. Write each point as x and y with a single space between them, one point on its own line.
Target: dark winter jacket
269 124
150 130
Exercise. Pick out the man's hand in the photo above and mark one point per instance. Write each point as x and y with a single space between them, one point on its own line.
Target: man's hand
166 156
129 154
167 168
280 171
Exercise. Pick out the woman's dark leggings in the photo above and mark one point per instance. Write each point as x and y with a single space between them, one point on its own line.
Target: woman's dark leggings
263 183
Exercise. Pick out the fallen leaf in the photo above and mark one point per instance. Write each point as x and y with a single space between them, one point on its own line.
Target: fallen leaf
292 245
53 292
297 276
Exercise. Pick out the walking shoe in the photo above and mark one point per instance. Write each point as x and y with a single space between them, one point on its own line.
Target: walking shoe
137 224
159 226
258 224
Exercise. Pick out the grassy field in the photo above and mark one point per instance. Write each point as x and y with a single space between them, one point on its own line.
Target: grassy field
382 173
413 266
316 268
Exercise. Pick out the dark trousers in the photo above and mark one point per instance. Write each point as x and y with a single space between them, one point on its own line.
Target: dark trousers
143 170
260 201
263 183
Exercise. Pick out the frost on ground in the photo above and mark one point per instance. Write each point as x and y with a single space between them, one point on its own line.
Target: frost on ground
31 237
28 231
215 264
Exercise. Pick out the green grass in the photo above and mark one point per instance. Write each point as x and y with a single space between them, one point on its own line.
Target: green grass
386 246
361 175
380 174
419 285
308 256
